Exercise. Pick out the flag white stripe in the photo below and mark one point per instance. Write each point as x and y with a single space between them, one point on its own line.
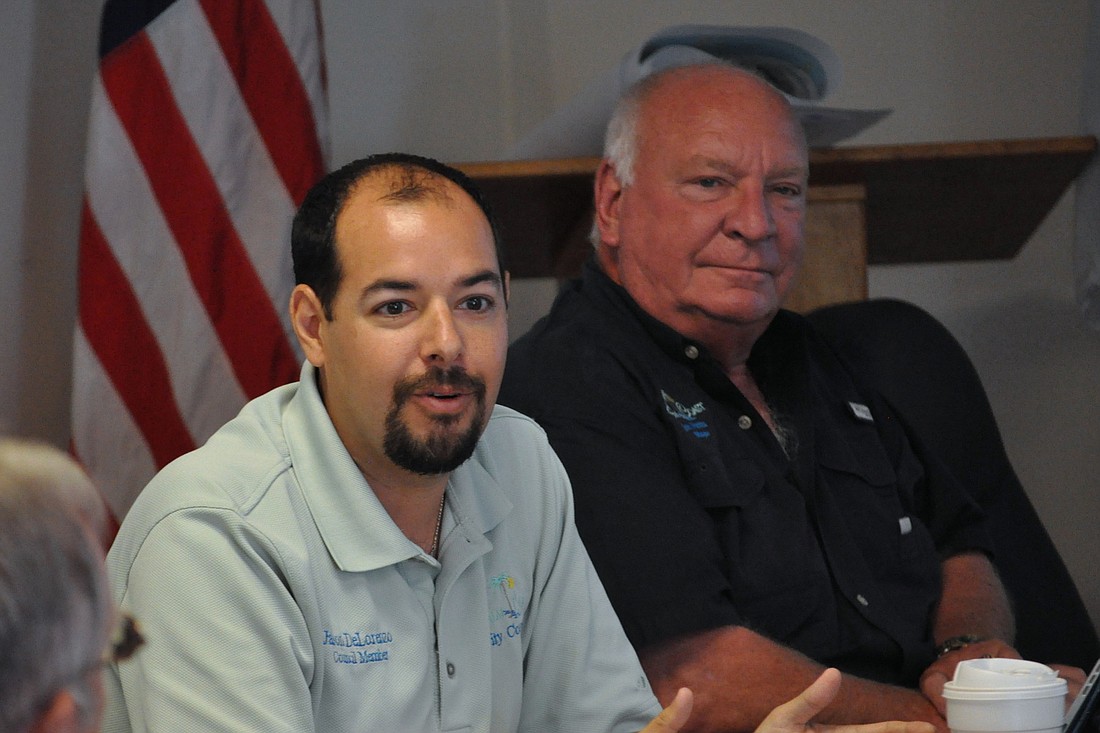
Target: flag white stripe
298 25
123 209
208 97
122 201
105 436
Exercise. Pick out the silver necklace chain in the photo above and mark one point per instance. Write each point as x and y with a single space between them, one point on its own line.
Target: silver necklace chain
438 526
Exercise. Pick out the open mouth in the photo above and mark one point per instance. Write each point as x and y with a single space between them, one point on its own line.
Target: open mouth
444 395
440 387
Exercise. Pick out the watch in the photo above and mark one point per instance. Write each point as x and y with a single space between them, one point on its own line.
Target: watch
957 642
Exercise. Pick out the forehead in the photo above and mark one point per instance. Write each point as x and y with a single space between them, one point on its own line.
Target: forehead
386 225
721 112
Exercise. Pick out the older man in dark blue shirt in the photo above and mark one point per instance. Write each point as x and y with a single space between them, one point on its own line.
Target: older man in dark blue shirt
752 511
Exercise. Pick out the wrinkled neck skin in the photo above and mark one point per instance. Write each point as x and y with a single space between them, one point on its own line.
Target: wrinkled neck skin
728 342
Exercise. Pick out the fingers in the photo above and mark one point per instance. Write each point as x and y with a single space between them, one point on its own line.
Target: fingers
943 669
673 717
796 716
1074 677
991 648
890 726
931 686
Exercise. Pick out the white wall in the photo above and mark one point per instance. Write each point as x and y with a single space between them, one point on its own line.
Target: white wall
461 80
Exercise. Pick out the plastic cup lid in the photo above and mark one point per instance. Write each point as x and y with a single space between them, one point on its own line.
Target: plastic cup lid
977 678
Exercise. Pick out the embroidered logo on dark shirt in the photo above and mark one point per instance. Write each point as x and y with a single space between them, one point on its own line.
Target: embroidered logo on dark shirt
687 416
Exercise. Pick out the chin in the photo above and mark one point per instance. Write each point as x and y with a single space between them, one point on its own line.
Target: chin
741 312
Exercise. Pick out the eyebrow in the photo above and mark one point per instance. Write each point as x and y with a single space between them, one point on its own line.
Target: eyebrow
797 171
800 171
485 276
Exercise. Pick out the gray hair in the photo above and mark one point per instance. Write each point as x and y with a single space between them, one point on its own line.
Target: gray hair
55 606
620 142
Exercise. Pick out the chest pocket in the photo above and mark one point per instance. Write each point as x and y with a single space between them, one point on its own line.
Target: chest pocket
878 501
779 581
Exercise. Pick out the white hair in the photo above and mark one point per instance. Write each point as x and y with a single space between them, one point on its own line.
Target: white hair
55 606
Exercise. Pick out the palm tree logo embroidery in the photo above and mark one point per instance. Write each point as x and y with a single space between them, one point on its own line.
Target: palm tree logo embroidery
504 582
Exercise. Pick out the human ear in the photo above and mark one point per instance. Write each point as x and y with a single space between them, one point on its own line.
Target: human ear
608 196
307 316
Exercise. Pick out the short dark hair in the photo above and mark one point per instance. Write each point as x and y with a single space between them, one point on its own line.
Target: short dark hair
313 233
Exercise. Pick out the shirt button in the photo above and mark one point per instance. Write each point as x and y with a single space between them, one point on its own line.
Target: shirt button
862 601
450 669
744 422
691 352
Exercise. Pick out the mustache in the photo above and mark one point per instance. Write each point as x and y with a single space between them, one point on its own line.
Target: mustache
435 377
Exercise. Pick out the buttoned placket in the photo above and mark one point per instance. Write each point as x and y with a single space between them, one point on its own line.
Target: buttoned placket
457 596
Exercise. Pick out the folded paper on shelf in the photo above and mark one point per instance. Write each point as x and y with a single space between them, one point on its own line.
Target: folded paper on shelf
804 68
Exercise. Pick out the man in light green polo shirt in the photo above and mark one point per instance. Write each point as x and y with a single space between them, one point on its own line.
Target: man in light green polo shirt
377 547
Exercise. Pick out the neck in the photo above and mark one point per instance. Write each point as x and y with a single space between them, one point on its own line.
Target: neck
742 377
413 504
728 342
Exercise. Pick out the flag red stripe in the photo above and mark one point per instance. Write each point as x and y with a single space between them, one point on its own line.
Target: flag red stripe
235 299
265 71
112 320
208 220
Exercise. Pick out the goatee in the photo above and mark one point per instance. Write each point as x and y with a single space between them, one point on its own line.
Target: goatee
446 446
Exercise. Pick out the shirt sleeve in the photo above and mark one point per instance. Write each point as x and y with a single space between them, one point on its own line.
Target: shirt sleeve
227 649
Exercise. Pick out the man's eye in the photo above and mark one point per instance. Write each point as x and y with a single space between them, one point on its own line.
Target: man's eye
477 303
709 182
396 308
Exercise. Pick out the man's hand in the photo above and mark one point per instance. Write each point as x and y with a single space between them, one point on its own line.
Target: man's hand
943 669
1074 677
796 716
672 718
740 677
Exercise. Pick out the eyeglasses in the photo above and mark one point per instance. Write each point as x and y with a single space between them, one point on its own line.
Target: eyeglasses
125 642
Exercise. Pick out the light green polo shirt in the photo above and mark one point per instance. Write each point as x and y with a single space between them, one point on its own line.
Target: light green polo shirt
276 594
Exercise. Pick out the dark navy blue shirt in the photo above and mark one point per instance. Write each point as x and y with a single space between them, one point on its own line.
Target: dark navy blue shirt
696 517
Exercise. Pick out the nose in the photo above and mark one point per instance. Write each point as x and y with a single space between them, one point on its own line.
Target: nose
750 216
442 342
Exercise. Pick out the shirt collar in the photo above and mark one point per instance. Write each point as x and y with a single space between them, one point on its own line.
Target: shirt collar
355 527
778 355
678 347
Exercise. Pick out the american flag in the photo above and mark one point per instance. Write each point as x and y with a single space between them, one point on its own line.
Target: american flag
206 130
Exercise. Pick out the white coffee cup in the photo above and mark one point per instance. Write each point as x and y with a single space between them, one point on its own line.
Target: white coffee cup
1005 696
